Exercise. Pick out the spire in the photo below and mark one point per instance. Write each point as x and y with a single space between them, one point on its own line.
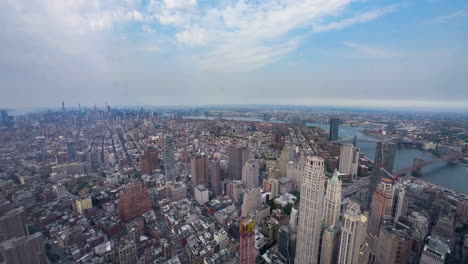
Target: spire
335 178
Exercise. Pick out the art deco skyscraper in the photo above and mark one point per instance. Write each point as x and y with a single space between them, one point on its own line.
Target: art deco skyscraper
250 174
310 211
353 234
169 162
332 206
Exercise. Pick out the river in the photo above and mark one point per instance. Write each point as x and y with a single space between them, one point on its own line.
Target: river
452 176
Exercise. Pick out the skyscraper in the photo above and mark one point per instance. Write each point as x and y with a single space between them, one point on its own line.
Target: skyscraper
310 211
353 234
349 160
384 159
385 155
334 124
237 156
24 250
284 242
149 161
247 241
134 200
250 174
13 224
393 245
434 252
330 245
199 169
252 200
169 162
381 206
215 176
332 207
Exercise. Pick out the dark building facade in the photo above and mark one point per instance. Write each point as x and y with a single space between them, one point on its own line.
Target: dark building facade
334 125
134 200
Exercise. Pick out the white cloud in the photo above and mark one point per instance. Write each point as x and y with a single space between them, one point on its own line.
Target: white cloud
249 34
192 37
361 18
174 4
448 17
372 51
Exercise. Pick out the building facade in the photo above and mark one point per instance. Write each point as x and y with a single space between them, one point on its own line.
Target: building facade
353 235
349 160
332 206
310 211
247 241
250 174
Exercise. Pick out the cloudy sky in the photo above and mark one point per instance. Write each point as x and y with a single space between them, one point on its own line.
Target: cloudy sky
193 52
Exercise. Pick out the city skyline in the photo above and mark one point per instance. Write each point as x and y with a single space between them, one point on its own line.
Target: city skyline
189 52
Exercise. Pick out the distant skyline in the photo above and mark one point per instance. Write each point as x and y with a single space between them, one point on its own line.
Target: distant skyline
341 53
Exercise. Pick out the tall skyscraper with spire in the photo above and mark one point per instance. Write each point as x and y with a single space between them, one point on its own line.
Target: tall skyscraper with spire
331 212
310 211
353 235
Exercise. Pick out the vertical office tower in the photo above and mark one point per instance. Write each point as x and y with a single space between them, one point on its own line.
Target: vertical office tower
393 245
13 224
353 234
434 252
24 250
169 162
381 206
332 206
250 174
71 150
384 159
399 208
252 200
149 161
134 200
349 160
247 241
285 243
199 169
237 156
385 155
287 155
215 176
330 244
310 211
334 124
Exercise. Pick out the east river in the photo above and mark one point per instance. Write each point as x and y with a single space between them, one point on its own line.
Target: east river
453 176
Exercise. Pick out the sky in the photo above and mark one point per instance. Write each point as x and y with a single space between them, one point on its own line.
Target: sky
363 53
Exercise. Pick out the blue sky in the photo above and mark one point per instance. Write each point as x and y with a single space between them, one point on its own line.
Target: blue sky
192 52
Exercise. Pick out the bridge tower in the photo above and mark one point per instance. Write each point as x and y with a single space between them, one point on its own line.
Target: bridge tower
417 167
